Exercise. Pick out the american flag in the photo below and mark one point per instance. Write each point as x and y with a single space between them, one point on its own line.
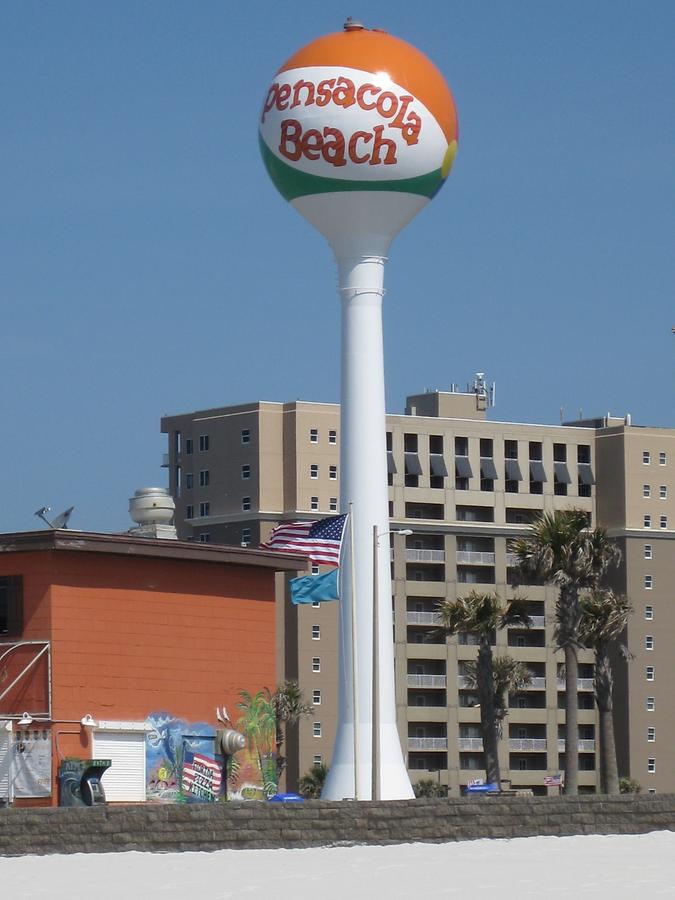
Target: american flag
201 775
320 541
553 781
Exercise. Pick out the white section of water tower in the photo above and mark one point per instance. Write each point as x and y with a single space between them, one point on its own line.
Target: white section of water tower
360 253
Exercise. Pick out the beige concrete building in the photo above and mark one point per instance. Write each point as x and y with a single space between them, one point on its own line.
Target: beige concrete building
466 486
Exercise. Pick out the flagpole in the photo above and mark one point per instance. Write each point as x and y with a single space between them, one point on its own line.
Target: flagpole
355 692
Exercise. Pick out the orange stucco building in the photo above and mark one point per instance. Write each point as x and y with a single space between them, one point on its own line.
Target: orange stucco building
140 638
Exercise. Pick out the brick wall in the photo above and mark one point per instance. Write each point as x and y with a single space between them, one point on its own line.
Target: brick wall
156 828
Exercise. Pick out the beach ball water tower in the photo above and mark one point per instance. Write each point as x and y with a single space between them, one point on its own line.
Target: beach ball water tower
358 131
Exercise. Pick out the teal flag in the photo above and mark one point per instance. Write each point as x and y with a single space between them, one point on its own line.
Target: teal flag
315 588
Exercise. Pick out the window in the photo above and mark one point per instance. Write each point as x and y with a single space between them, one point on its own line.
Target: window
649 613
314 471
663 521
317 760
651 765
649 642
584 454
648 582
204 509
316 664
316 698
204 478
332 472
246 535
245 472
189 512
313 502
647 521
662 458
316 632
316 729
245 503
246 436
11 605
188 481
649 672
203 443
188 446
651 704
646 490
651 733
314 435
332 437
648 551
333 504
663 492
204 537
646 457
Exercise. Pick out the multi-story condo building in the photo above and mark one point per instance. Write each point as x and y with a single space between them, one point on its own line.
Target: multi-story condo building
465 486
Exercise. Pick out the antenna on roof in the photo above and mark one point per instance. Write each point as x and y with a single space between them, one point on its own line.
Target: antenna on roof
61 521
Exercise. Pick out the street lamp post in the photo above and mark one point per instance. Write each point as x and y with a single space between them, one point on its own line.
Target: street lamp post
375 770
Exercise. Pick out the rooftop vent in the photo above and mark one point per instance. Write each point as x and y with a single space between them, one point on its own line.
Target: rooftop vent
152 509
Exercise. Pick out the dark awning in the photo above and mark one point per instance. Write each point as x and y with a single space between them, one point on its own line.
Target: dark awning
562 475
391 465
487 468
537 472
438 466
463 467
412 464
512 468
586 473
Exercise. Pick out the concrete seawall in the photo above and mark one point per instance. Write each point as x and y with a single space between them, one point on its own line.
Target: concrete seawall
171 827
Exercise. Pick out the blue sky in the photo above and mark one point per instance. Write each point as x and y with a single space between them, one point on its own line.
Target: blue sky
148 266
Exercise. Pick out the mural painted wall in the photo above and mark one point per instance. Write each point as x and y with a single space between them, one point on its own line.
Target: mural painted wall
182 766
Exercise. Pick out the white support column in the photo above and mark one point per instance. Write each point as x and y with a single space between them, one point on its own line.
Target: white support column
363 479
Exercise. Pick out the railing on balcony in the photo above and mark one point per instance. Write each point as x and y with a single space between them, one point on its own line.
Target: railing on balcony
427 681
533 745
422 618
475 557
165 460
583 684
469 744
535 622
585 746
427 743
537 683
511 560
428 556
464 682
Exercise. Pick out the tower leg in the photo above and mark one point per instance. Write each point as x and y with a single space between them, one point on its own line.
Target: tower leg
363 474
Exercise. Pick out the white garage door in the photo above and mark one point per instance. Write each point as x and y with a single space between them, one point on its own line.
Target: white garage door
5 761
125 779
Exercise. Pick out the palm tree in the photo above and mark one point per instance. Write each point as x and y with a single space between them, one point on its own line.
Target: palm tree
312 783
604 617
561 549
482 615
509 676
289 707
257 723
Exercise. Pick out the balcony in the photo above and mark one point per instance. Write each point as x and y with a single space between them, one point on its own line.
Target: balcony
425 556
427 681
422 618
584 746
427 743
472 744
165 460
583 684
535 622
475 557
511 560
531 745
536 684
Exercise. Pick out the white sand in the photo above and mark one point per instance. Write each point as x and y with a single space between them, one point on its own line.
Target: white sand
615 867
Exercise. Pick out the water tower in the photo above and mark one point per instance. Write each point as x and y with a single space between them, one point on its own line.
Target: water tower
358 132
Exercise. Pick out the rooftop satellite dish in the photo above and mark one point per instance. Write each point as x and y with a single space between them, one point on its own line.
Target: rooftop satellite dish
61 521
